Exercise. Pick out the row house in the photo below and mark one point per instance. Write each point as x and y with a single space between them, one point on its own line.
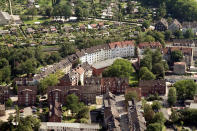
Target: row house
152 45
190 25
4 94
106 51
163 25
87 94
64 65
187 54
149 87
136 120
113 84
55 114
186 43
27 95
23 81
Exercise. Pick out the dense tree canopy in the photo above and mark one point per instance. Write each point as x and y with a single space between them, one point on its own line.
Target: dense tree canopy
172 96
185 89
120 68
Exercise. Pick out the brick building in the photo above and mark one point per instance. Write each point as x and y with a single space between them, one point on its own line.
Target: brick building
55 114
114 84
4 94
27 95
137 90
2 110
87 94
180 68
152 86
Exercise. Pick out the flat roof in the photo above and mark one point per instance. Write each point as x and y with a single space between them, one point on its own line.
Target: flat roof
105 63
46 125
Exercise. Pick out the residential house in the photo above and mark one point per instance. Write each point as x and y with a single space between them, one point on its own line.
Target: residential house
5 18
180 68
87 68
70 79
138 91
23 81
152 45
175 25
186 43
122 49
55 114
57 126
27 95
161 25
111 113
189 25
87 94
114 85
30 31
2 110
79 70
186 51
4 94
136 120
149 87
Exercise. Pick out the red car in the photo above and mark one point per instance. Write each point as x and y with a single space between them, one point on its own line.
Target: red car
21 111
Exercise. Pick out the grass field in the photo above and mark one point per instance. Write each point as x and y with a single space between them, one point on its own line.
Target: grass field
36 19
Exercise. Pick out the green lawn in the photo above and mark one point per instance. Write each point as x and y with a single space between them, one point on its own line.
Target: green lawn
133 79
36 19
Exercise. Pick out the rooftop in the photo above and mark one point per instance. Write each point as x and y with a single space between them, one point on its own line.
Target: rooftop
47 125
104 64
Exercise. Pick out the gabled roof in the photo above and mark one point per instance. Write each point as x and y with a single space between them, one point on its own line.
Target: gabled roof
150 45
121 44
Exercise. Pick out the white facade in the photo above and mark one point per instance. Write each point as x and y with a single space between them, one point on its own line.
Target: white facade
124 50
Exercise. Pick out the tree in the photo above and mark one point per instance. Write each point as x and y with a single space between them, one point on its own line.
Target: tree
175 116
120 68
9 103
154 127
148 113
168 35
67 49
178 34
32 11
131 96
176 56
50 80
28 67
158 70
81 13
72 103
146 24
147 61
172 96
159 118
149 38
156 105
145 74
189 34
83 113
185 89
3 62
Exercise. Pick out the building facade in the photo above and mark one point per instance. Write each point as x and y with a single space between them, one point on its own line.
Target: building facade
27 95
152 45
4 94
149 87
87 94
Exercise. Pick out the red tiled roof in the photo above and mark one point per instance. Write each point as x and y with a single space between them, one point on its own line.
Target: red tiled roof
149 44
121 44
184 50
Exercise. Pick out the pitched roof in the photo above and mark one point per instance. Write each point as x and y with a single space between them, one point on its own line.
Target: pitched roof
150 45
121 44
184 50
